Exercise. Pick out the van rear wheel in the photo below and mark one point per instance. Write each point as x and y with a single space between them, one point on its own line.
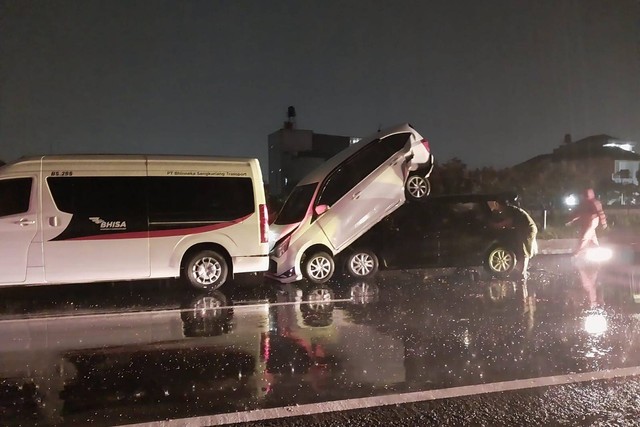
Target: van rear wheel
318 267
206 270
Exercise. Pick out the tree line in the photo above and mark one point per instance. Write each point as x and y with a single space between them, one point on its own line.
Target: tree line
538 187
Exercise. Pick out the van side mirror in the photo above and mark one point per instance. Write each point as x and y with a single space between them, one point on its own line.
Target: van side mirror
320 209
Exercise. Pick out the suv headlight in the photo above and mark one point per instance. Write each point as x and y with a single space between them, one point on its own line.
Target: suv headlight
598 254
281 247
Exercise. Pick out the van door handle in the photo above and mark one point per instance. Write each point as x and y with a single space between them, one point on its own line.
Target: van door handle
53 221
355 196
24 222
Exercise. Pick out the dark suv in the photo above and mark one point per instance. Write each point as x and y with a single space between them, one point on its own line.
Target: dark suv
441 231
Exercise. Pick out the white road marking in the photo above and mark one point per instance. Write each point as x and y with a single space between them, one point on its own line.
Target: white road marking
394 399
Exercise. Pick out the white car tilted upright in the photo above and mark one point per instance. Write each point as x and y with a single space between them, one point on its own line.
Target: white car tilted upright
344 197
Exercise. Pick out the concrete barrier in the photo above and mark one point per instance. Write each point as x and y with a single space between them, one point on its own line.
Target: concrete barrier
556 246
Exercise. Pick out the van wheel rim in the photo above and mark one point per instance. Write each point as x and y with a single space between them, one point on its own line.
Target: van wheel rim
417 186
500 260
362 264
319 295
319 268
207 271
208 306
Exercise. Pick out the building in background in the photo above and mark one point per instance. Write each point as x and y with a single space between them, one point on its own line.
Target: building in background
295 152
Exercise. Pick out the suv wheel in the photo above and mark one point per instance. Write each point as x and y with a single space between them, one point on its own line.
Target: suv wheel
417 187
362 263
501 261
318 267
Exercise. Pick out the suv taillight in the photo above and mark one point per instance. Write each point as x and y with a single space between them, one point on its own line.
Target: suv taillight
264 224
426 145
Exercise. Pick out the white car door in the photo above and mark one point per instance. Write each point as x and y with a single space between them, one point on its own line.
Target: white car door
374 182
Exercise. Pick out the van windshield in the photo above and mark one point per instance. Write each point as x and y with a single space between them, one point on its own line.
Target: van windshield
296 205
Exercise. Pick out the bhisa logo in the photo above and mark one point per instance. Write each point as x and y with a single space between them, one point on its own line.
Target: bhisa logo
108 225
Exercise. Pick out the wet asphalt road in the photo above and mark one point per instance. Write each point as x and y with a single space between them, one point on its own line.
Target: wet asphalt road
114 354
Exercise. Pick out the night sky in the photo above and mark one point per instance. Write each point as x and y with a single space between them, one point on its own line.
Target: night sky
491 82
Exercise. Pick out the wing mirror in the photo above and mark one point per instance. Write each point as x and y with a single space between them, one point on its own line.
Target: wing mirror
320 209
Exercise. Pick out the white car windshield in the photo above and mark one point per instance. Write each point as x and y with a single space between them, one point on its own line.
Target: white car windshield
296 205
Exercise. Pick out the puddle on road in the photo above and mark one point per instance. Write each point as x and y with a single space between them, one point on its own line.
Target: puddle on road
157 353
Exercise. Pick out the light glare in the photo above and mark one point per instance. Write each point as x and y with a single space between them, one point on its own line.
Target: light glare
595 324
599 254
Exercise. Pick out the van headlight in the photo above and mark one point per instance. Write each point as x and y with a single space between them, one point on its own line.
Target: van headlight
281 247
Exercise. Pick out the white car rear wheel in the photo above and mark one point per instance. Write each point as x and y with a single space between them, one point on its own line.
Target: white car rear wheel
362 263
417 187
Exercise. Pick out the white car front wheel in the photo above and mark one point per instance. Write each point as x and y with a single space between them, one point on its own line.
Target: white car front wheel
318 267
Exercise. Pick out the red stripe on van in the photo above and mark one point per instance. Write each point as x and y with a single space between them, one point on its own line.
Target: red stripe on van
162 233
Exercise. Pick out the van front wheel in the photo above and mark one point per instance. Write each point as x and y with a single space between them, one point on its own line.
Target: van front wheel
318 267
206 270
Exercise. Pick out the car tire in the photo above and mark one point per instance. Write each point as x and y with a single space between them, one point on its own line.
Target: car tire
417 187
362 263
318 267
501 261
205 269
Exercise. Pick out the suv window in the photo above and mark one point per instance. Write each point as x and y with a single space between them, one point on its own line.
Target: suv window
461 213
415 217
14 196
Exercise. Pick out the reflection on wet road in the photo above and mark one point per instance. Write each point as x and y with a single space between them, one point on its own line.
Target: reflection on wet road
126 353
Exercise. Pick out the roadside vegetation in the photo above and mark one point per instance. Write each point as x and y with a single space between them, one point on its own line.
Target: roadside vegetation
542 192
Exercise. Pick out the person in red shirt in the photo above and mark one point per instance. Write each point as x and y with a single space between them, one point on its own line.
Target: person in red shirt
589 215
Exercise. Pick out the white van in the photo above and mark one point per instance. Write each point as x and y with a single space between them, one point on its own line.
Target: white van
85 218
343 198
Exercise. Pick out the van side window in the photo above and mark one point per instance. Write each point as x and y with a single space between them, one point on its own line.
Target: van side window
14 196
100 195
199 199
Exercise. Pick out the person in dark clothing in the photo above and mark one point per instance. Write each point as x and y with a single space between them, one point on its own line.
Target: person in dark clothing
526 229
589 215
